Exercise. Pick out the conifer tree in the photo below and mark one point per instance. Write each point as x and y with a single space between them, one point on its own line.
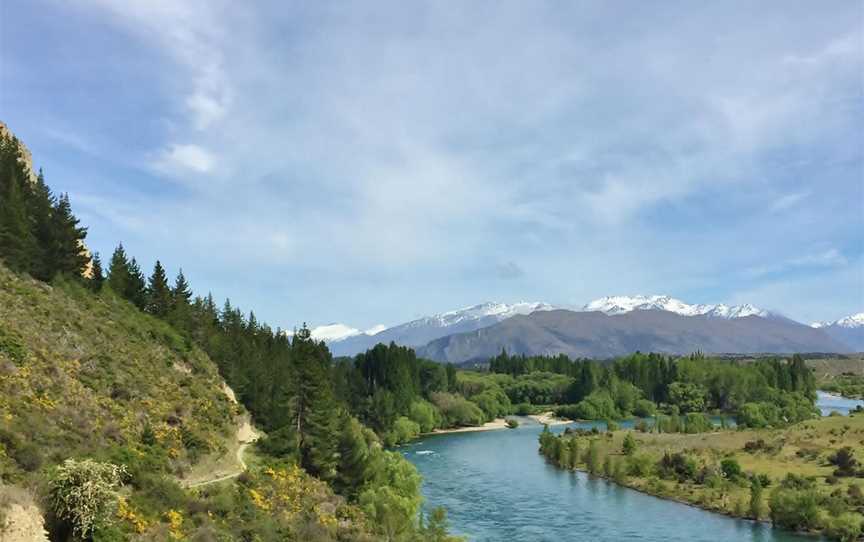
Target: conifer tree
181 292
41 208
158 292
314 416
136 287
97 277
18 245
118 271
65 252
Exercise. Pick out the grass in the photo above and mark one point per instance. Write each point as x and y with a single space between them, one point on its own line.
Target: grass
802 449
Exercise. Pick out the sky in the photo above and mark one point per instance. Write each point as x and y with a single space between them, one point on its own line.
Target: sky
373 162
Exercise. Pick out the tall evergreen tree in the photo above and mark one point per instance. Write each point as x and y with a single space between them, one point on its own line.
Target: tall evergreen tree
118 271
136 287
314 413
158 292
41 208
18 245
66 252
97 276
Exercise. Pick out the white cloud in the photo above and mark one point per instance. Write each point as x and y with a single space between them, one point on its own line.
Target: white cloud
826 259
789 200
178 159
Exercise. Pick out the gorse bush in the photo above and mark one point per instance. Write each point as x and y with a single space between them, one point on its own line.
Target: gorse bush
84 493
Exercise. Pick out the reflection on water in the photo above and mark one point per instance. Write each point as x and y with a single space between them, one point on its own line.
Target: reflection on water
496 487
829 403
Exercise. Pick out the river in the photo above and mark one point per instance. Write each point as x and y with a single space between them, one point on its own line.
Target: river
497 487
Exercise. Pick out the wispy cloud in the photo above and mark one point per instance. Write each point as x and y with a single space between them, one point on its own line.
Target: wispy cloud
416 145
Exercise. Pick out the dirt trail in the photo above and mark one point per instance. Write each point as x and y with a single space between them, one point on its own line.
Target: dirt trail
246 435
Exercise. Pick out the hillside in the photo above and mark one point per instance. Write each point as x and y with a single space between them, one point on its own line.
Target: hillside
91 376
598 335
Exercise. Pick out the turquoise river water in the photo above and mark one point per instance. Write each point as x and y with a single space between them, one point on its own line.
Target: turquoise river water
497 487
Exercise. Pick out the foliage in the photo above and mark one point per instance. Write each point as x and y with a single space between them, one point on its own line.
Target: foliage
84 493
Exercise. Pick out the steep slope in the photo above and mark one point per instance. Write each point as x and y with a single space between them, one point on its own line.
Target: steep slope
848 330
90 376
598 335
81 375
421 331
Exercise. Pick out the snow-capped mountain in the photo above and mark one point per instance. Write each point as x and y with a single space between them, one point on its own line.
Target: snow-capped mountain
851 321
339 332
624 304
422 330
497 311
848 330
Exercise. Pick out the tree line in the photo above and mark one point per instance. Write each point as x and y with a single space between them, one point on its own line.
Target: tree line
39 235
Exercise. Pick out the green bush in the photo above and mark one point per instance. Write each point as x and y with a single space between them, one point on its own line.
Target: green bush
644 408
84 494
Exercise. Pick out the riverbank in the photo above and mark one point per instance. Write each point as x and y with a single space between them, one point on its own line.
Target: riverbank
494 425
548 418
715 471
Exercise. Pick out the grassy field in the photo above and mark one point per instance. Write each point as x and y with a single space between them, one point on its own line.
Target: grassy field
803 450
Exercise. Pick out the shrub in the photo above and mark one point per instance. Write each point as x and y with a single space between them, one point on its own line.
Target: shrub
629 445
731 469
84 493
644 408
845 527
457 410
405 429
512 423
845 462
795 509
425 415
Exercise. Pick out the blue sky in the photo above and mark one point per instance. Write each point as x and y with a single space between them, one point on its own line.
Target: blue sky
373 162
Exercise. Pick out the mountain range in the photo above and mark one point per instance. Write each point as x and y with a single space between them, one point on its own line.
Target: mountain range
657 323
848 330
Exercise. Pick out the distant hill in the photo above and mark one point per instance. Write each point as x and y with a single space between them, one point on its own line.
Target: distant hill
848 330
600 335
421 331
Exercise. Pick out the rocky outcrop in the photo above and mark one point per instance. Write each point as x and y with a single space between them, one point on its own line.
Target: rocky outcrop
27 159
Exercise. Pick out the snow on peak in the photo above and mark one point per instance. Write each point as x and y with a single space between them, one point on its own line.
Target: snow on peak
333 332
498 311
375 330
622 304
852 321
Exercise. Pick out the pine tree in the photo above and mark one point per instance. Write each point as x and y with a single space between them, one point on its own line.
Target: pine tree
181 292
18 245
158 293
41 209
97 277
136 287
314 415
118 271
65 253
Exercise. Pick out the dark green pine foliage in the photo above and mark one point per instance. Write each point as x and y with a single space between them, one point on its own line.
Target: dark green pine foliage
18 245
65 251
97 275
181 310
313 409
118 271
136 287
159 296
41 208
39 234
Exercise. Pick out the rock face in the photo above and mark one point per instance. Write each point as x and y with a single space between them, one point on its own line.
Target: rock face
21 519
27 159
598 335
